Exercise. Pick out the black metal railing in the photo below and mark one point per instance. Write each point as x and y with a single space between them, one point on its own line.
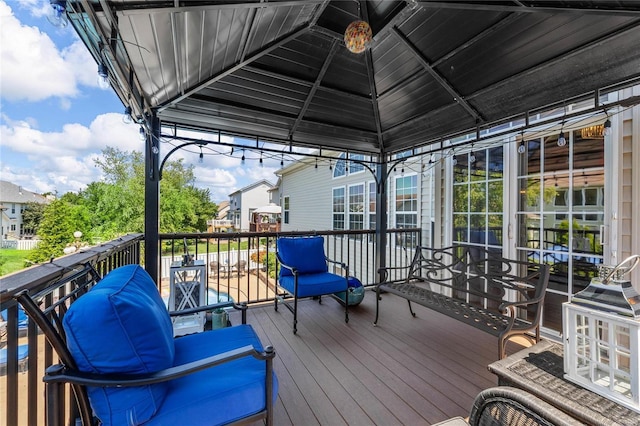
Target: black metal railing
243 265
21 378
27 353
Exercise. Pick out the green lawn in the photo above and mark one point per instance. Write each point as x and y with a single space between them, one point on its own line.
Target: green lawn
12 260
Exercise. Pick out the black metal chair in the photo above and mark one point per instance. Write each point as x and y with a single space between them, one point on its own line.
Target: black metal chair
114 340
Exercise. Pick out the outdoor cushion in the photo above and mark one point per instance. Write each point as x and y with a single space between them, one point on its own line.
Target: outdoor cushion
232 395
122 326
313 261
314 284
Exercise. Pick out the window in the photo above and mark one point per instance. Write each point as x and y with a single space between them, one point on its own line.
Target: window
477 197
356 206
372 205
13 210
560 213
406 199
340 168
285 209
338 208
356 167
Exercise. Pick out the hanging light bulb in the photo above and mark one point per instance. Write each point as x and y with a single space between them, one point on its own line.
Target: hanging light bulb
607 127
562 141
281 160
143 134
57 15
472 157
330 167
316 163
103 76
126 117
201 159
402 171
261 163
242 159
521 148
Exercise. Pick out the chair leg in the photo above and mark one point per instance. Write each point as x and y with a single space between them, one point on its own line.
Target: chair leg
295 314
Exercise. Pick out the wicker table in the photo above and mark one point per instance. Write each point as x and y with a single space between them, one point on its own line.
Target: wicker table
540 370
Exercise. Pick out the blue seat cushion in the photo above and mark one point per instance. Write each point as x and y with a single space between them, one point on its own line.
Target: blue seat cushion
315 284
217 395
122 326
306 254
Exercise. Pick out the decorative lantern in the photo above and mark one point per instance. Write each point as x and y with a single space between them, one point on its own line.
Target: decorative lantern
602 337
357 36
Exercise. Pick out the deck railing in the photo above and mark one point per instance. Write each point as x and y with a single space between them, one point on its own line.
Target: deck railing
21 384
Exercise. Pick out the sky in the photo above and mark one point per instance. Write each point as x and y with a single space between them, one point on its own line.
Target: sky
55 120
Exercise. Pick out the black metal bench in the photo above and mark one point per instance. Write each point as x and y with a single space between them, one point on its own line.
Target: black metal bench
477 286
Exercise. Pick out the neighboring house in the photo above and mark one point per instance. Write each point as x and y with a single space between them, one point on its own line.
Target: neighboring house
14 199
570 201
243 202
220 223
342 195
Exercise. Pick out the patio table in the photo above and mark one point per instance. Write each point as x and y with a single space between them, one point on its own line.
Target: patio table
540 371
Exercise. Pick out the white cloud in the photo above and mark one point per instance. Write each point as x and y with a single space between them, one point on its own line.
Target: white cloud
33 68
61 160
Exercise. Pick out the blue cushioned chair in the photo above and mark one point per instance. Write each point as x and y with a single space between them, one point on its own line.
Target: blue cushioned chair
304 272
123 356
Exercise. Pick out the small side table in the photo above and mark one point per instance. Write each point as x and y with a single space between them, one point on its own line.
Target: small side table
540 371
188 285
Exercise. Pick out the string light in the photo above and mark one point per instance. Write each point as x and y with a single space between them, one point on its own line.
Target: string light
562 141
607 127
521 147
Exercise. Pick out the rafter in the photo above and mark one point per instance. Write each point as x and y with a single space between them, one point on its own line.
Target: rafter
436 76
312 92
267 49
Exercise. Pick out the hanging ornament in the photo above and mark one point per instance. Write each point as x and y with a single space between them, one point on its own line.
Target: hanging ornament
357 36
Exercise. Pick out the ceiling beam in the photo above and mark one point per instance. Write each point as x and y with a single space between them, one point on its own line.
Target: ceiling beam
266 50
494 7
138 8
312 92
372 82
436 76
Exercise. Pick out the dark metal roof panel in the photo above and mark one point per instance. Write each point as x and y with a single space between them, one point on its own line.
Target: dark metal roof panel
434 66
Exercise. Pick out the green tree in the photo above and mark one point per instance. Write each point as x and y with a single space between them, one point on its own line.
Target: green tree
118 202
32 216
60 220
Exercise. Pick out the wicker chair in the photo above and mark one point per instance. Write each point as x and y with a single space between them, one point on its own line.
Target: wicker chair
508 406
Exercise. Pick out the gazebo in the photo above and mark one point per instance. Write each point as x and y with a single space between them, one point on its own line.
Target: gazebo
281 72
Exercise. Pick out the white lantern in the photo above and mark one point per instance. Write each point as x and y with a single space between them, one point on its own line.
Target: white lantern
601 341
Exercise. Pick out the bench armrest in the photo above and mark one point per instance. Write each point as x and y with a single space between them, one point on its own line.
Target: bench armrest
504 306
60 373
384 272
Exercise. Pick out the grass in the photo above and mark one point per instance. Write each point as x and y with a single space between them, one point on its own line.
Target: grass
12 260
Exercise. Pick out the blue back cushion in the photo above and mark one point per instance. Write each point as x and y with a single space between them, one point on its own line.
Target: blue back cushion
306 254
122 326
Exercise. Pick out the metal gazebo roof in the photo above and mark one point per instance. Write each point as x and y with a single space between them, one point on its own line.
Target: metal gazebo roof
279 70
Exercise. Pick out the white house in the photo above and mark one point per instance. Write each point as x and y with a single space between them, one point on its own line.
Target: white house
14 199
243 202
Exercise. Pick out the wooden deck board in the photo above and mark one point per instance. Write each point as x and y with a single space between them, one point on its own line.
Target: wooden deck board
405 371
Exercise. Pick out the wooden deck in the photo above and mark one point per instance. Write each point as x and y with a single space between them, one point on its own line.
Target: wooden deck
405 371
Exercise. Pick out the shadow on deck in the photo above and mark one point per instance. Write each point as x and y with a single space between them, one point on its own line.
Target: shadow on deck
405 371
